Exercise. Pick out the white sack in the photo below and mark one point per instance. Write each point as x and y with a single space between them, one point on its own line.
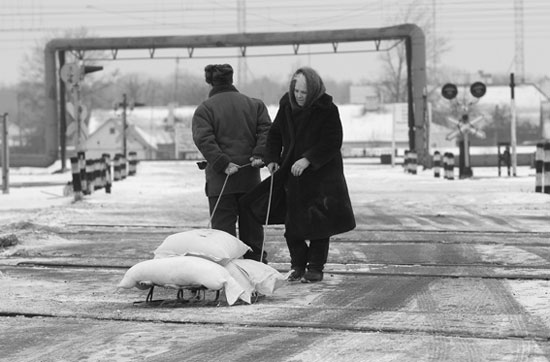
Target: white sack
243 279
262 277
215 245
182 272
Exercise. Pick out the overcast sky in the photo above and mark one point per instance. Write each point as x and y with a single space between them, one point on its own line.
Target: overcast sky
481 34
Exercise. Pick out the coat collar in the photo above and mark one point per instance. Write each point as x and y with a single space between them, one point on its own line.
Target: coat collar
323 102
221 89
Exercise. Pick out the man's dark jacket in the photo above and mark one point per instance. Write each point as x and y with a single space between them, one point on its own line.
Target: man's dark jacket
230 127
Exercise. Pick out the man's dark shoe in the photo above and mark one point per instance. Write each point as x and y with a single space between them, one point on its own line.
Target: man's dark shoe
312 276
295 275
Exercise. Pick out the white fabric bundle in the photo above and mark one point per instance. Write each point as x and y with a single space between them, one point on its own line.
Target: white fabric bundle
215 245
181 272
255 276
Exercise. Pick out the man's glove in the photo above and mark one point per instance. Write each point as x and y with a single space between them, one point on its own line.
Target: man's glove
256 162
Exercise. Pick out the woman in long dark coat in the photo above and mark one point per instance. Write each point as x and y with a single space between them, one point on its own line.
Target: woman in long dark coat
310 193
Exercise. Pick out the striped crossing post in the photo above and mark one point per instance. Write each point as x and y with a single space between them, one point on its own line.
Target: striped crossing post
102 172
77 186
413 162
437 164
116 167
132 163
82 168
108 174
89 177
451 166
539 164
96 172
546 169
446 165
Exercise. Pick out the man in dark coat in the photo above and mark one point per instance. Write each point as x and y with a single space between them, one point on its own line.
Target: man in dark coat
230 130
310 193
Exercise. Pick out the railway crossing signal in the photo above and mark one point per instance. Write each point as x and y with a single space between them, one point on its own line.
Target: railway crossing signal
464 126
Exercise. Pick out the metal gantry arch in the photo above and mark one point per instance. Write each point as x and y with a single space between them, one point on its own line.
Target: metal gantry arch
412 35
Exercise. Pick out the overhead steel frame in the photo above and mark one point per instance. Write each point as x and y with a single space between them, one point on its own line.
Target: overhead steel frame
412 35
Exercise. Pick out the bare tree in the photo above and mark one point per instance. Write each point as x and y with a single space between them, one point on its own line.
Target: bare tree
392 84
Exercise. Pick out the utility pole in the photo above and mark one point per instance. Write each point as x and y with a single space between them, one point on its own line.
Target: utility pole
241 28
518 58
434 40
513 140
176 80
5 156
125 105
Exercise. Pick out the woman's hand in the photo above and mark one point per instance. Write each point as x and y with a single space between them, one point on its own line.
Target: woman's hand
272 167
231 168
299 166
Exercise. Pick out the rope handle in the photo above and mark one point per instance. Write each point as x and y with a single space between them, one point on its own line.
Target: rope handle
221 193
267 215
268 206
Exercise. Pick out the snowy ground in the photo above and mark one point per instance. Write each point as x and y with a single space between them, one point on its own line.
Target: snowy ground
436 270
37 188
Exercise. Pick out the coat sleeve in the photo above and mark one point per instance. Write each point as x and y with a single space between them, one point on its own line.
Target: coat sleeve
274 144
262 128
330 142
205 139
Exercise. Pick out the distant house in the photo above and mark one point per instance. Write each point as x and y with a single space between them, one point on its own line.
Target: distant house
108 138
367 96
165 133
159 133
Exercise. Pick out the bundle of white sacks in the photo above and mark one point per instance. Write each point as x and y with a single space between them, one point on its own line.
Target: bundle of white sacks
204 257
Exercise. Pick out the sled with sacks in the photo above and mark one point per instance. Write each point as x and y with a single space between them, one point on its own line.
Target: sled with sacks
199 260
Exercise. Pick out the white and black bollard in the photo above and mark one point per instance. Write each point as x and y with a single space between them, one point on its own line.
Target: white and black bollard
539 165
116 167
89 177
546 169
96 174
446 165
108 178
132 163
406 162
102 172
82 168
413 162
437 164
450 166
77 185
